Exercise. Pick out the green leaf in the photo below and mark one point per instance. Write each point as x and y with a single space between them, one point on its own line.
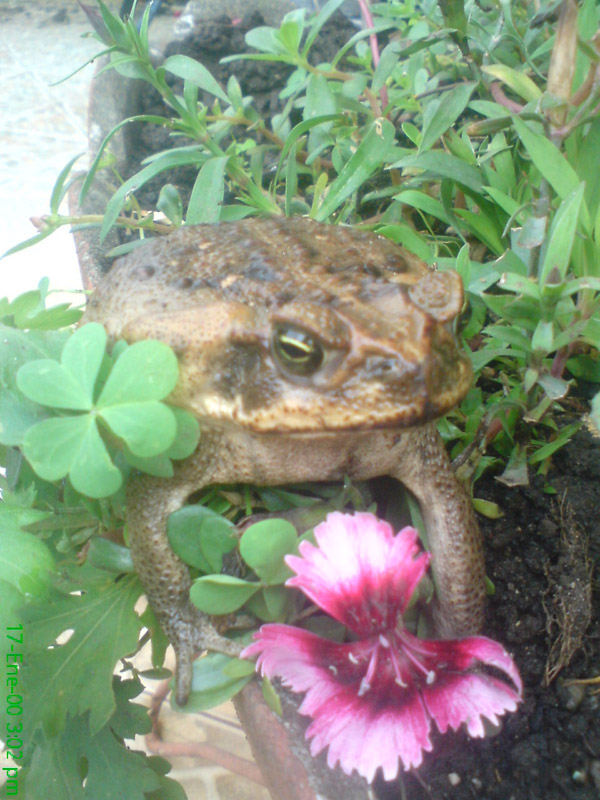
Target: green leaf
162 162
519 285
104 554
221 594
330 7
448 109
270 604
369 155
266 40
76 676
212 683
543 337
52 445
201 537
56 772
595 412
60 189
148 429
445 166
188 434
83 353
26 563
560 240
51 384
18 413
144 371
520 83
169 202
208 192
263 546
561 439
548 159
423 202
92 472
191 70
271 697
291 29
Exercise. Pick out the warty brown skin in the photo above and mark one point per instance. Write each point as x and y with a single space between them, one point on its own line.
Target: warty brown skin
225 298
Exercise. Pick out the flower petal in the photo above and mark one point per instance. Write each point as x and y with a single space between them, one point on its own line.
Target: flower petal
467 698
360 574
364 731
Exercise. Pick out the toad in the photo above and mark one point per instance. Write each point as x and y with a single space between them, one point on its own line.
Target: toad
308 352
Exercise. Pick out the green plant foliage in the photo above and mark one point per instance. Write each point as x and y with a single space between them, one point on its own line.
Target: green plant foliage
124 403
456 144
76 676
263 547
201 537
216 679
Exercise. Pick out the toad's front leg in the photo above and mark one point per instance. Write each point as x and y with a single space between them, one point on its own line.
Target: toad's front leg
453 535
166 578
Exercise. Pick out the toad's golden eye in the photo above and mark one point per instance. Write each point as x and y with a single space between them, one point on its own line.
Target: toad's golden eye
297 350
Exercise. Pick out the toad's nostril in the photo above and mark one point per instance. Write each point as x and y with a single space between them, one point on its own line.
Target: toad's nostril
389 369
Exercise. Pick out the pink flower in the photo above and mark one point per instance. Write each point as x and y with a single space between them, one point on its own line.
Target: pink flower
372 699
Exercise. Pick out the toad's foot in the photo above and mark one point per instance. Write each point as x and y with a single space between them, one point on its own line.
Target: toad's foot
191 632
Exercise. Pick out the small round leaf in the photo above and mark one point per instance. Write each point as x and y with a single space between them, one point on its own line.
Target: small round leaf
221 594
200 537
264 545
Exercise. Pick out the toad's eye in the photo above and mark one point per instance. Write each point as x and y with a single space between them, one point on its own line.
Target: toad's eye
297 350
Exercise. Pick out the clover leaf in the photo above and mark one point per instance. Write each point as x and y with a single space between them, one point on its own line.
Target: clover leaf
115 403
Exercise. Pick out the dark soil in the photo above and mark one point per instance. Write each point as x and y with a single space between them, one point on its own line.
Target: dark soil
542 557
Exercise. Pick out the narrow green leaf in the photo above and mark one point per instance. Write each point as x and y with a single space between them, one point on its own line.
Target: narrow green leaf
144 371
548 159
520 83
449 108
60 189
595 412
423 202
445 166
191 70
164 161
560 241
370 154
561 439
169 202
519 285
208 192
330 7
